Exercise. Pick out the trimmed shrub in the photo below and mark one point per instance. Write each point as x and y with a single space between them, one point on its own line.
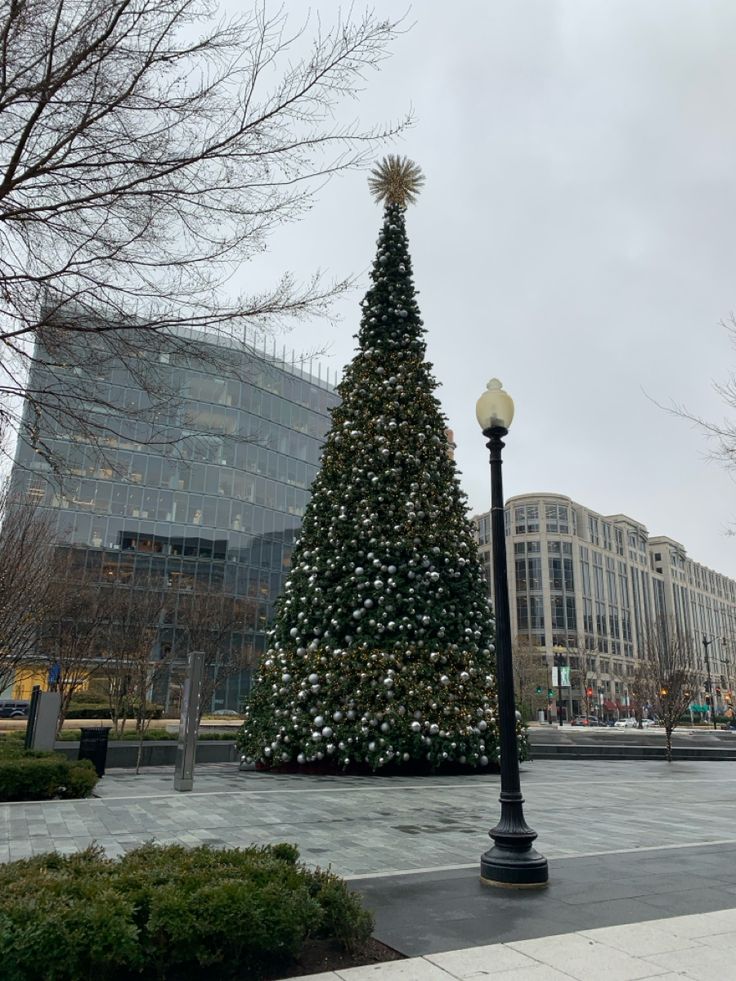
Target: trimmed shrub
156 910
150 735
101 710
44 776
343 917
35 775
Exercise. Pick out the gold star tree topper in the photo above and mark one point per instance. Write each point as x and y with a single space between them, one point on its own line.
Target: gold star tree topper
396 180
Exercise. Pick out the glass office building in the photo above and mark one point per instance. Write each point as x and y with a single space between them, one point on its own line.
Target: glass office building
215 502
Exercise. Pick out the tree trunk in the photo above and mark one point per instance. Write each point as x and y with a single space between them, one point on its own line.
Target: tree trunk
668 734
141 733
140 723
66 697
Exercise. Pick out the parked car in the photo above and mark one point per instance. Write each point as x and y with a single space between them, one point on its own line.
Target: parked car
648 723
229 713
13 710
625 724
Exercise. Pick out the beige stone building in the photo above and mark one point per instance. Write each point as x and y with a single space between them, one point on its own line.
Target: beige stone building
586 585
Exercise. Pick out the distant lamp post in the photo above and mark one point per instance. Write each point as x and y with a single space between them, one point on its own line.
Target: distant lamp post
511 862
711 690
560 663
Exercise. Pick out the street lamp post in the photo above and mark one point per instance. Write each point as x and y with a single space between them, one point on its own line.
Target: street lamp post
511 862
559 664
711 692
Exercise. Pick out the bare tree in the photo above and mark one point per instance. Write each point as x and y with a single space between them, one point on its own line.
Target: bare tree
530 673
138 662
214 624
668 673
720 435
135 614
72 637
147 150
585 661
26 583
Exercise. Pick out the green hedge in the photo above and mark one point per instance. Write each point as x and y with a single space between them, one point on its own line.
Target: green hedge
34 775
101 710
151 735
161 912
44 776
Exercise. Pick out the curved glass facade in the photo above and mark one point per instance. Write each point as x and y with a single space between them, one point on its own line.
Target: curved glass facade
215 500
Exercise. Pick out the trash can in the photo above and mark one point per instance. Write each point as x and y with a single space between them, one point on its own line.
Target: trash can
93 746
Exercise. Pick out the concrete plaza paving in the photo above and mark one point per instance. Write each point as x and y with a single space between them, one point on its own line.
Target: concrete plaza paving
367 826
632 846
700 947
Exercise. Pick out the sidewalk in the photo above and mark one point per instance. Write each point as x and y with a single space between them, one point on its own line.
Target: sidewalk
700 947
628 844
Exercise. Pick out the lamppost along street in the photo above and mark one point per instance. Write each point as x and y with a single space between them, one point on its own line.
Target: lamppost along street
511 861
711 690
559 659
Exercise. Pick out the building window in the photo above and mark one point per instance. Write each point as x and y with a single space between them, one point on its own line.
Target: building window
606 536
593 530
534 567
557 518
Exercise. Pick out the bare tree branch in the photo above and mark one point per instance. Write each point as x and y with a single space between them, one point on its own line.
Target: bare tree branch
147 151
27 586
667 676
214 624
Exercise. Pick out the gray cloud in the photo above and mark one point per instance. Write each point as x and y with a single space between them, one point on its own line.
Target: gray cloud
574 238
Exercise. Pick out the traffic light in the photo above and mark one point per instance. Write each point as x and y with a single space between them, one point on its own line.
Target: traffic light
664 692
539 689
550 693
589 692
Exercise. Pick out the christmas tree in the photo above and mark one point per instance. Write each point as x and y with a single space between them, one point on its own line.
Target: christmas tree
382 651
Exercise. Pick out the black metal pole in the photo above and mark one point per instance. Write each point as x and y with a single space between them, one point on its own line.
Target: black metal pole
558 665
706 645
511 861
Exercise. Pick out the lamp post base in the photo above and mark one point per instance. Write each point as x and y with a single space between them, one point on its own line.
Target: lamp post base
508 868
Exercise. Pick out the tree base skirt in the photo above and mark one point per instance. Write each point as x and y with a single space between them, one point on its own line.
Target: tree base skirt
413 768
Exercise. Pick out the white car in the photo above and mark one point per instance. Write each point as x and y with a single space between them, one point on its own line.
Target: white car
647 723
625 724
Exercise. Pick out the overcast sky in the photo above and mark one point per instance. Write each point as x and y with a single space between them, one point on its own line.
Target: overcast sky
575 238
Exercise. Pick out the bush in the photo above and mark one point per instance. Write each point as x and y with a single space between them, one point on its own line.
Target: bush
44 776
34 775
244 913
101 710
150 735
89 698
